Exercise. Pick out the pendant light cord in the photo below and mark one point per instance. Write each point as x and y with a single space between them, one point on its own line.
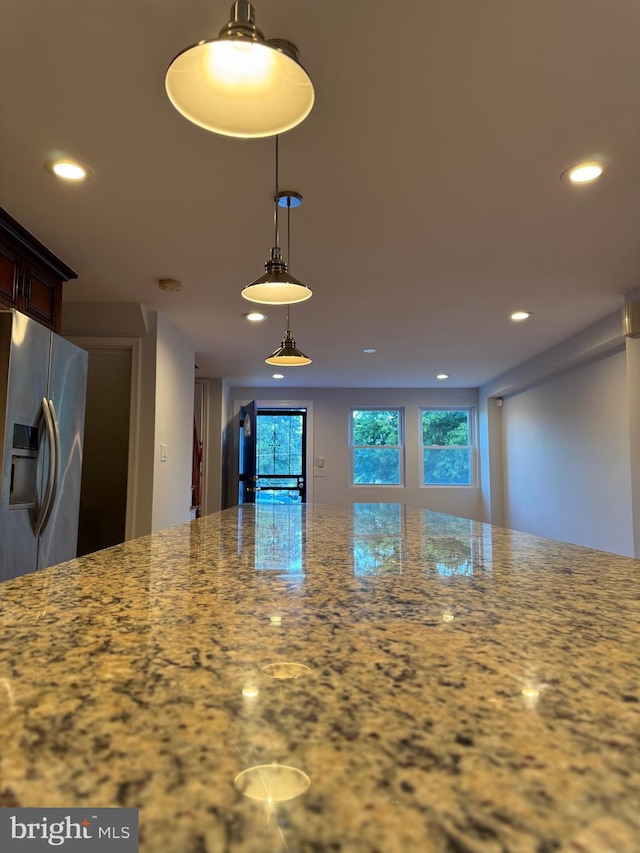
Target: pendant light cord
289 232
276 235
288 254
276 199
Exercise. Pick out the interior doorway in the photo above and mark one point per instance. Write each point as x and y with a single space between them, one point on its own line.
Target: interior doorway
272 460
105 467
111 444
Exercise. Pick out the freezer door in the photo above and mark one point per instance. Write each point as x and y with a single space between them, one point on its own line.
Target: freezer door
24 354
67 395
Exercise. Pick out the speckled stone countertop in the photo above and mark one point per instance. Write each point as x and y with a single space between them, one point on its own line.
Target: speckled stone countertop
458 687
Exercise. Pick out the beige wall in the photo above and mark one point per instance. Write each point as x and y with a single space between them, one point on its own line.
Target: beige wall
214 394
633 389
569 440
173 427
566 458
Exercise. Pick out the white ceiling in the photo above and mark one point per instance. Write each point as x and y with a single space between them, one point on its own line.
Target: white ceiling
430 169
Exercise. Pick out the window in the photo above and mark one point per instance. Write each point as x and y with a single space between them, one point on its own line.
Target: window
446 447
376 447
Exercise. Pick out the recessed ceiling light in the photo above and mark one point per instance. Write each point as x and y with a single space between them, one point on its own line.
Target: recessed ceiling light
255 317
520 315
442 376
67 169
584 173
369 349
278 376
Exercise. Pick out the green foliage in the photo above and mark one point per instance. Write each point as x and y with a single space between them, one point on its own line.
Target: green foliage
445 428
447 466
376 427
376 466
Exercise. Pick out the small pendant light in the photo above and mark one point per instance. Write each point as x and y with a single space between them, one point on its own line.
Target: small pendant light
287 354
241 84
277 286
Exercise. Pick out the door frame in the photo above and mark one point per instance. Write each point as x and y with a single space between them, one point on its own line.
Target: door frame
302 414
282 404
135 346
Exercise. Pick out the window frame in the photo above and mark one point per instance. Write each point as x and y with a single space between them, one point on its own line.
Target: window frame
471 447
400 447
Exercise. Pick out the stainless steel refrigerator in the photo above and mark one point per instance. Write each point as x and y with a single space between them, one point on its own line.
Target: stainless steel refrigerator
43 380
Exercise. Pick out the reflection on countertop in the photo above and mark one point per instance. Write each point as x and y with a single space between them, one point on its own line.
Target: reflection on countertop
441 684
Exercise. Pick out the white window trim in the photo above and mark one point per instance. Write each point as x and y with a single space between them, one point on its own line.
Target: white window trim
400 447
471 447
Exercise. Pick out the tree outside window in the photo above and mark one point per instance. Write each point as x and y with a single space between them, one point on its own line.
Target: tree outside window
279 444
376 443
446 447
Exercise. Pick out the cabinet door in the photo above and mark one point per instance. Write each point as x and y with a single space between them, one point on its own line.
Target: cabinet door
42 295
9 274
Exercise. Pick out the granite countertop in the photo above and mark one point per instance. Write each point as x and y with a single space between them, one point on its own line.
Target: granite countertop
441 684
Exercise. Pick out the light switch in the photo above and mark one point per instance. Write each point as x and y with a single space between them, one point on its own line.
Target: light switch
163 452
319 469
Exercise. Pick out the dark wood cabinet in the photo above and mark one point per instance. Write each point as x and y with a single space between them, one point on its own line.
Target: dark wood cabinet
31 277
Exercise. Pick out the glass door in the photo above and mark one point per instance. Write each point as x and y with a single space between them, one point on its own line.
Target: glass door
281 456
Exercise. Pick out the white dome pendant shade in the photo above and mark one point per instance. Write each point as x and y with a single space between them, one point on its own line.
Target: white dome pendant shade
241 84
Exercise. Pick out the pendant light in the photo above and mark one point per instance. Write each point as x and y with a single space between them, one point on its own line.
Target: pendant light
287 354
277 286
241 84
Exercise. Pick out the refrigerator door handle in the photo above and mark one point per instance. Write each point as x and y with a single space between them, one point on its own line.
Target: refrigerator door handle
45 507
55 435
